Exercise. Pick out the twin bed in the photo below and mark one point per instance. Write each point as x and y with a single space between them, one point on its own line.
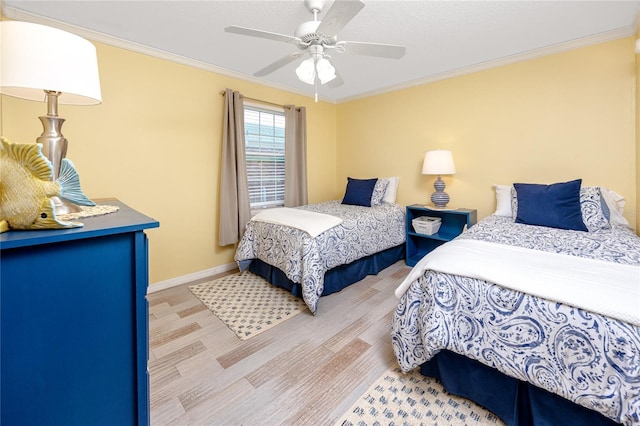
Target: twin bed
541 325
318 249
533 313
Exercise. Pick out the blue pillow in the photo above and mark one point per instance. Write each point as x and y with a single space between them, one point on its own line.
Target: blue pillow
555 206
359 192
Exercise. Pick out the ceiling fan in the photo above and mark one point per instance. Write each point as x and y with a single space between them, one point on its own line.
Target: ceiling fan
316 38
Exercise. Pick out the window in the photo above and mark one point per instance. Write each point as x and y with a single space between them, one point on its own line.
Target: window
264 150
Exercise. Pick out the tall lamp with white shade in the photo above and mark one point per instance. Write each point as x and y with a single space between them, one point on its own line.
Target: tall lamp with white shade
439 162
41 63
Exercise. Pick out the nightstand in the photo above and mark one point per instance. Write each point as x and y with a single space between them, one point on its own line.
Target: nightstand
453 224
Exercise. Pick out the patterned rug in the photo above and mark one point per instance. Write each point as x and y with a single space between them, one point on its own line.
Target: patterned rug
413 399
247 304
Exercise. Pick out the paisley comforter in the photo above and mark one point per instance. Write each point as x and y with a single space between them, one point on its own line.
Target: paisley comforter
586 357
363 232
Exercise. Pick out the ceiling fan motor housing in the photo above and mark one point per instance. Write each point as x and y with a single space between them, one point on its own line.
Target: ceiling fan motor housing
306 32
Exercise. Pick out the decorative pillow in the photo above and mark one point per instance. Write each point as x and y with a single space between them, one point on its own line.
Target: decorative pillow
379 191
359 192
503 200
594 210
392 190
556 205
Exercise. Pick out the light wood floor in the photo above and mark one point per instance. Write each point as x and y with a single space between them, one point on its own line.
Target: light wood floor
305 371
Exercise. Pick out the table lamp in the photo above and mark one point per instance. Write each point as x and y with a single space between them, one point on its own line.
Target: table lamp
439 162
41 63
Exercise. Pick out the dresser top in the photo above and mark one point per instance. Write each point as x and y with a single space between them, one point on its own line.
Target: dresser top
124 220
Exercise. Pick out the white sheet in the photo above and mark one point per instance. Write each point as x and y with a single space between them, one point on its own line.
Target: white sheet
601 287
311 222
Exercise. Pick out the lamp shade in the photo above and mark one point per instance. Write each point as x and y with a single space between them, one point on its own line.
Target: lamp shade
35 58
438 162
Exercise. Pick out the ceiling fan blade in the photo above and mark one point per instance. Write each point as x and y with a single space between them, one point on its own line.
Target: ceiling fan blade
340 13
261 34
277 64
336 82
390 51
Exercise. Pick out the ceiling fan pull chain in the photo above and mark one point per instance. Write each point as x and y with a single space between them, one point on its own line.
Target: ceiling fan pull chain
316 78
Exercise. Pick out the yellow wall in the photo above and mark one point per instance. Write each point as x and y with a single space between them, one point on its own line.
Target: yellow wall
155 144
556 118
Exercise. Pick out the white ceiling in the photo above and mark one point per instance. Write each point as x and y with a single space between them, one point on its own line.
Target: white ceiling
442 38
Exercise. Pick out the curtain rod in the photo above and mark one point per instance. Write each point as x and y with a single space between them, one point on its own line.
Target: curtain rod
223 93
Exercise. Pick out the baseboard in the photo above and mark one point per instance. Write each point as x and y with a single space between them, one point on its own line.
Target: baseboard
184 279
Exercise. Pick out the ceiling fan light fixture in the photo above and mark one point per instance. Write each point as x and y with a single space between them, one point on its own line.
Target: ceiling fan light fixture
306 71
317 36
326 71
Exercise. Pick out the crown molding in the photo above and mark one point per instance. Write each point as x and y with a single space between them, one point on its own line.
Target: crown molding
511 59
18 14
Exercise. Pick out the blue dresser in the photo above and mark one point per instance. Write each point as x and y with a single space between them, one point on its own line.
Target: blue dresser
74 323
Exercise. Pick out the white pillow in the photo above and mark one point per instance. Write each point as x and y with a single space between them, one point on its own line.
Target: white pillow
614 200
391 191
503 200
616 203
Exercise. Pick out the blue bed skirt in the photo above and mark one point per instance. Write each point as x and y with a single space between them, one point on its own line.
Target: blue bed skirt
517 403
337 278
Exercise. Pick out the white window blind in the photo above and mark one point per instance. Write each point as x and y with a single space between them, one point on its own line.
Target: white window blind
264 142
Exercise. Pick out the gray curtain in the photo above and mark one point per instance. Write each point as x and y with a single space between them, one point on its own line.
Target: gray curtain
295 148
235 208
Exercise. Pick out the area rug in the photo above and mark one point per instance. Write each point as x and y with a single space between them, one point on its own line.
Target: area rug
413 399
248 304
